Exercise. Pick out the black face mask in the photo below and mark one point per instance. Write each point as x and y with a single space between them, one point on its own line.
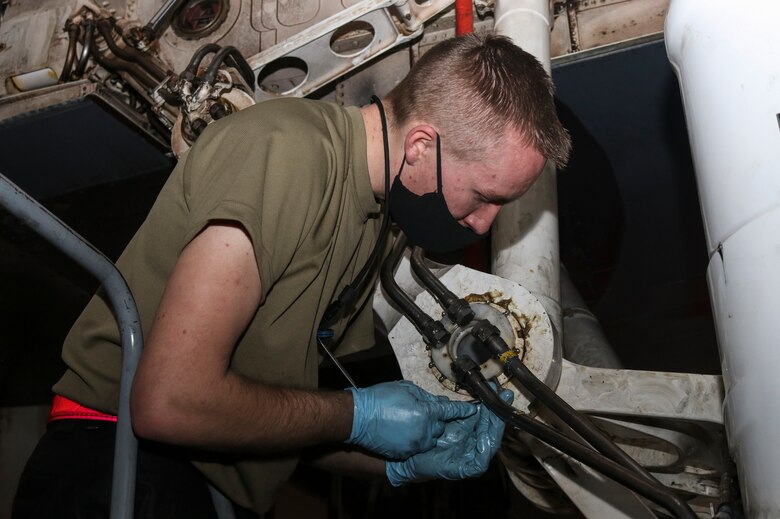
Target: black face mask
425 219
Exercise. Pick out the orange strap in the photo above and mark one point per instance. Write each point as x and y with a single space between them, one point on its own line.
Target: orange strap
63 408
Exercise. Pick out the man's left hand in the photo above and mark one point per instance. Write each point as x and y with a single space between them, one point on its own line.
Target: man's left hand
463 451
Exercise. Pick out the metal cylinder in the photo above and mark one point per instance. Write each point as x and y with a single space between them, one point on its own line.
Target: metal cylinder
584 341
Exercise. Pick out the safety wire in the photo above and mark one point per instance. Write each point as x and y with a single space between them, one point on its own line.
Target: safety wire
604 456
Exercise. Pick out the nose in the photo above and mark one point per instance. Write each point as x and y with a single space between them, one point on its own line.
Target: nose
480 220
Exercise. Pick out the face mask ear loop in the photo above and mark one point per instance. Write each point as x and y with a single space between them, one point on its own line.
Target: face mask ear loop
401 169
438 164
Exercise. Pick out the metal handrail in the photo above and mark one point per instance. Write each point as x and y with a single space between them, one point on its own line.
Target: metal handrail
57 233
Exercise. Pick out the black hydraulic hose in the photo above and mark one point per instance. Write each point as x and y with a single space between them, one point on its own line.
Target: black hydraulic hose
470 377
161 19
399 297
89 33
157 125
610 459
133 68
515 368
456 308
236 60
433 331
70 55
192 67
728 508
106 29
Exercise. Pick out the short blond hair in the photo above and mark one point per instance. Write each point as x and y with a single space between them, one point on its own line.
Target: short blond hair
473 88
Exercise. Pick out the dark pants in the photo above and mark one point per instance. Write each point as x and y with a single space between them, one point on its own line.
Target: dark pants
69 476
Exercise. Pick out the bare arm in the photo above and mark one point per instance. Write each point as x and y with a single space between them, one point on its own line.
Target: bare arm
184 393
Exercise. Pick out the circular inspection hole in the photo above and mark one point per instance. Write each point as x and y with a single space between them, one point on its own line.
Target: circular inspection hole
282 75
199 18
352 38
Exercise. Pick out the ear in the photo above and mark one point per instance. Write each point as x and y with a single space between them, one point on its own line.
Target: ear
419 140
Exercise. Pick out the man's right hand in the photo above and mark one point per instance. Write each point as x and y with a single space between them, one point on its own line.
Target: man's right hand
398 419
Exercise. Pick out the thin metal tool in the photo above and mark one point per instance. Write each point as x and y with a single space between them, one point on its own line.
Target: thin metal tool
336 362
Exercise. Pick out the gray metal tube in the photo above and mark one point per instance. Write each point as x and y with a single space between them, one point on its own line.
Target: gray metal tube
584 341
161 18
53 230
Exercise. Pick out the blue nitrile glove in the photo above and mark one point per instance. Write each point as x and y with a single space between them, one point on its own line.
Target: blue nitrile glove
398 419
463 451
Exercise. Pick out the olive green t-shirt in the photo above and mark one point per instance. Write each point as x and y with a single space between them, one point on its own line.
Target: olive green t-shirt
294 174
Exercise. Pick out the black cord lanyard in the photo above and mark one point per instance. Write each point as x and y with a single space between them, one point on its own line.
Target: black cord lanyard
349 293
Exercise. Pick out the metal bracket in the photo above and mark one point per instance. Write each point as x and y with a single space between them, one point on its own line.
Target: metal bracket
337 45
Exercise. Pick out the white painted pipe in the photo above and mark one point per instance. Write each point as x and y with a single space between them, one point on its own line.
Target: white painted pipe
527 23
525 234
727 58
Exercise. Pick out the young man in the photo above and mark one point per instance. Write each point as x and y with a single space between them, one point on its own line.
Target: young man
270 214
